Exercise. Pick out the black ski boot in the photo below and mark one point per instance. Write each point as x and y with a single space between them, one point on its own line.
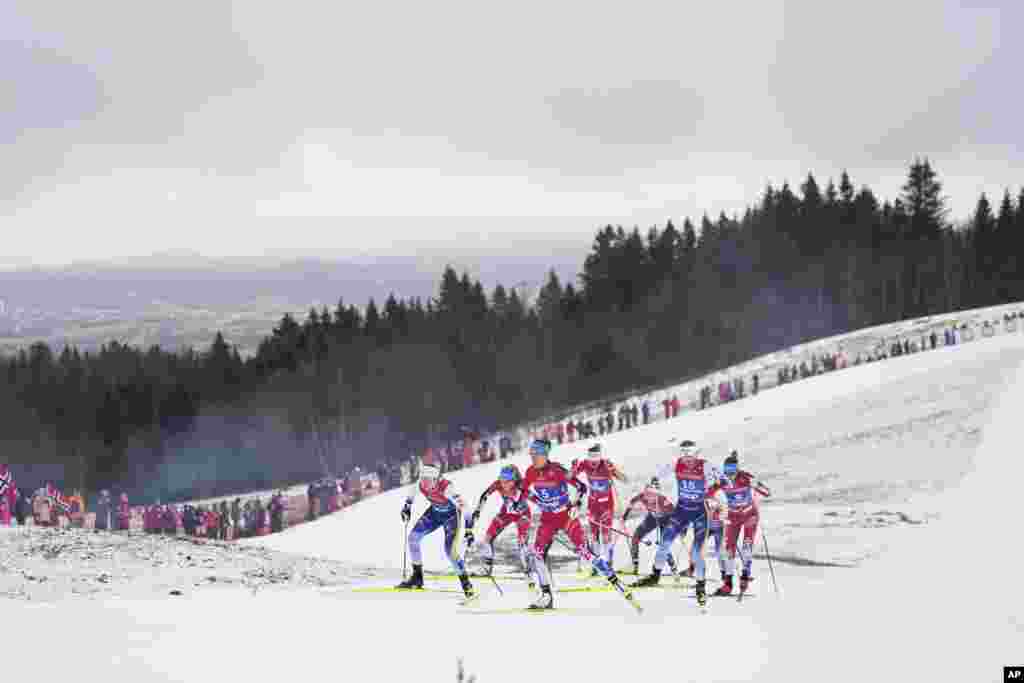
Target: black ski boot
702 598
545 600
414 581
726 587
651 579
467 587
673 569
636 566
744 582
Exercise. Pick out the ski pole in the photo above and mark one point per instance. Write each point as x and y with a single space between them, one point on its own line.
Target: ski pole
405 548
495 582
621 533
769 556
659 545
472 548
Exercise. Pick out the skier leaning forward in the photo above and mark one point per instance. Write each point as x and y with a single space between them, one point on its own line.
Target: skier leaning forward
694 477
546 484
600 473
514 510
659 512
739 487
445 510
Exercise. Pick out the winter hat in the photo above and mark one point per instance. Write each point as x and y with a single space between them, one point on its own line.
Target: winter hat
688 448
594 451
540 447
429 472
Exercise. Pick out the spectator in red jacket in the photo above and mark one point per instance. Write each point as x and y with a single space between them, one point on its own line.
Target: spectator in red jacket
570 430
169 520
213 525
674 404
149 518
124 514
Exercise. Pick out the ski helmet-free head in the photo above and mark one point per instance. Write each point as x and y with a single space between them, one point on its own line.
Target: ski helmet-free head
688 448
509 473
595 452
732 464
431 472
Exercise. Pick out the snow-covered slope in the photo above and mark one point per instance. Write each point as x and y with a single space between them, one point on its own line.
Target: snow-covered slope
898 472
845 452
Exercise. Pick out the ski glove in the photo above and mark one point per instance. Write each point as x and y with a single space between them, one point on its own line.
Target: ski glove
407 511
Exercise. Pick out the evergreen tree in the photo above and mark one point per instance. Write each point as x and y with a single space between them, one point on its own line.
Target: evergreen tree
926 207
1005 256
983 228
549 300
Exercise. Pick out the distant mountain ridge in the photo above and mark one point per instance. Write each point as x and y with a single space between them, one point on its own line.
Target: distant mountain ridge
181 298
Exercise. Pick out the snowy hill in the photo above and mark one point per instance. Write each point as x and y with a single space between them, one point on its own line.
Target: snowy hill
845 452
886 477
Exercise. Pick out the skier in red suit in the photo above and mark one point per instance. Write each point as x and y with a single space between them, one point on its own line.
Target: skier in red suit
739 487
600 473
513 511
659 510
546 484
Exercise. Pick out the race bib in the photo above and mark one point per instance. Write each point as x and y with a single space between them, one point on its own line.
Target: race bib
739 499
691 490
552 498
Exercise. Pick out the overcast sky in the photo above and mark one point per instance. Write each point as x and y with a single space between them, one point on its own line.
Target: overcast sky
235 129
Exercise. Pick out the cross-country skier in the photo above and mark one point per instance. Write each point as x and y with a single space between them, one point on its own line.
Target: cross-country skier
694 476
513 511
600 499
659 511
716 529
445 510
739 487
546 484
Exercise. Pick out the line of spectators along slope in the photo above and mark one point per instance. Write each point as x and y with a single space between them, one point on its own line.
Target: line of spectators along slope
259 514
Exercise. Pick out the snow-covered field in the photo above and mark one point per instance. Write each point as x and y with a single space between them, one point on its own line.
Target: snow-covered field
892 480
